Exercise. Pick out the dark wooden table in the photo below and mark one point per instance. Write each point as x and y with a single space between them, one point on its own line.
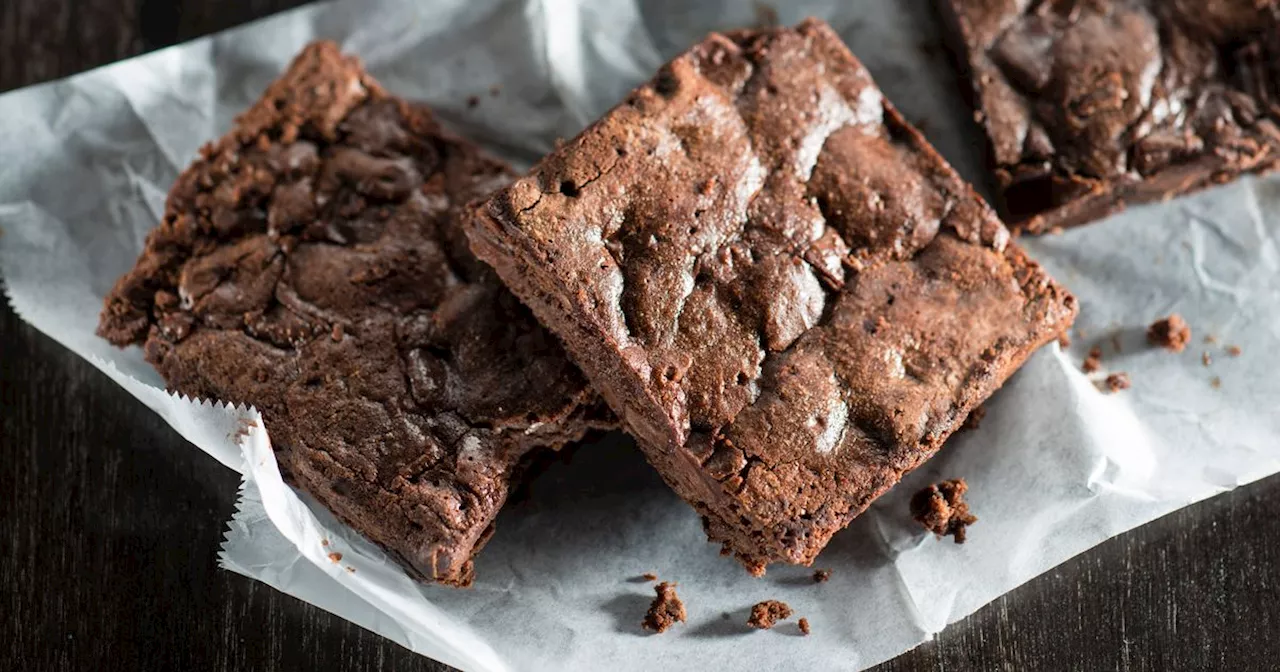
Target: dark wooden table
110 525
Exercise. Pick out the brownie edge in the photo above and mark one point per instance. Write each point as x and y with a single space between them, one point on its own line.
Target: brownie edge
782 290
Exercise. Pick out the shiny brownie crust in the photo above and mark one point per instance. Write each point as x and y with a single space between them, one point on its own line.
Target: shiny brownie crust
785 293
1093 104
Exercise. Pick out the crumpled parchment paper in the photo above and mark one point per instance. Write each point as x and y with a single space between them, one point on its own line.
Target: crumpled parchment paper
1056 467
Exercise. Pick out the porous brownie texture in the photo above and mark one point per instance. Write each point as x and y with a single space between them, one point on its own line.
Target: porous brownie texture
788 297
310 263
1093 104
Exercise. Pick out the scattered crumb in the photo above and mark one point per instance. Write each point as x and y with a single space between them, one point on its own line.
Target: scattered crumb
1170 333
941 509
1215 382
1064 340
803 624
666 609
974 419
765 615
1056 231
649 576
821 575
1234 350
351 569
335 557
1094 361
324 542
473 101
1118 381
1210 339
494 91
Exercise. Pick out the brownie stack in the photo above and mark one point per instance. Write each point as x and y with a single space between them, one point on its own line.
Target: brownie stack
771 279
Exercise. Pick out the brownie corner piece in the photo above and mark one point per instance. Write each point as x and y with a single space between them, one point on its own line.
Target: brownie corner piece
311 263
1089 106
782 290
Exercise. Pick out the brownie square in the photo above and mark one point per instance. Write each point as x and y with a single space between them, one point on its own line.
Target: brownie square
785 293
311 263
1093 104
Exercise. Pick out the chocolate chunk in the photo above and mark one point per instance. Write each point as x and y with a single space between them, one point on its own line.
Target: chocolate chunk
788 294
941 509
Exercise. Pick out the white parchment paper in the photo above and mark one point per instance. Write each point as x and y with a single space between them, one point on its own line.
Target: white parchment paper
1056 467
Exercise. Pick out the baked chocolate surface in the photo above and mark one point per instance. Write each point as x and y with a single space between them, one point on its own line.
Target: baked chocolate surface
788 297
311 264
1093 104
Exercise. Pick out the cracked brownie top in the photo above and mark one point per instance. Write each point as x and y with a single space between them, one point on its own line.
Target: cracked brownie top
1089 103
786 293
310 264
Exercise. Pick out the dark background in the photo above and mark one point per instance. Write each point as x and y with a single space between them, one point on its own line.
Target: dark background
109 526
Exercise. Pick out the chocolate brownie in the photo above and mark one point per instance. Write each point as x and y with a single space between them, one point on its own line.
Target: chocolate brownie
1093 104
781 288
310 263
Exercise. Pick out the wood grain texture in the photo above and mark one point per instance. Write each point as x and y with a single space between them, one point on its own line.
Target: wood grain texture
110 524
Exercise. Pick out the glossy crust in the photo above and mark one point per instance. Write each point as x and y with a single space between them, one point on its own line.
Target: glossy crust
1093 104
310 264
785 293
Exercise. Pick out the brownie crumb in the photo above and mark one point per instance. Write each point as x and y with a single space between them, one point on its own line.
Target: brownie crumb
666 609
1064 340
1118 381
974 419
1170 333
1094 361
941 509
1215 383
821 575
1234 350
335 557
494 90
351 570
803 624
1210 339
649 576
473 101
1205 358
765 615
